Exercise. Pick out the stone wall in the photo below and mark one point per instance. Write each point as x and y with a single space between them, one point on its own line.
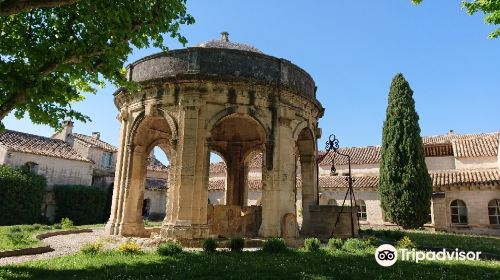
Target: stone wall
324 218
234 221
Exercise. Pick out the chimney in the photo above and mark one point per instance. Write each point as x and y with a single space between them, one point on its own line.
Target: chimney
67 130
224 36
96 135
451 131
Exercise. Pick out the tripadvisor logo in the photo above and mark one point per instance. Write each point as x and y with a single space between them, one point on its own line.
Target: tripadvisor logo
386 255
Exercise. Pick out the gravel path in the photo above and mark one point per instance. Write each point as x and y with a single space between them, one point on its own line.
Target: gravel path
62 245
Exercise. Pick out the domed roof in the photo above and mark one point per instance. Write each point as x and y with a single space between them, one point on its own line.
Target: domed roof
224 43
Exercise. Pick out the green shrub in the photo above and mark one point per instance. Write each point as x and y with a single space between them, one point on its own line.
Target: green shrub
312 244
209 245
354 245
335 244
129 247
274 245
22 196
371 241
237 244
82 204
406 243
169 248
92 248
67 223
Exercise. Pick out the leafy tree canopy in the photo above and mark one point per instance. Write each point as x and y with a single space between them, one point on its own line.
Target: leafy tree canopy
54 51
490 8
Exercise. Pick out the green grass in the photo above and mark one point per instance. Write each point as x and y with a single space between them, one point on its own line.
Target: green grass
463 242
293 264
23 236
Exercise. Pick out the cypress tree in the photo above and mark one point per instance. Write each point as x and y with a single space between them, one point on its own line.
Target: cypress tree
405 186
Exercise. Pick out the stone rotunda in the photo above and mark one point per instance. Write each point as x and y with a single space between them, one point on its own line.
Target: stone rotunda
230 99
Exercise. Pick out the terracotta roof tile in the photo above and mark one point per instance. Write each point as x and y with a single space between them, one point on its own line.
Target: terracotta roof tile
94 142
446 178
216 184
217 167
156 165
38 145
453 136
359 155
485 146
156 184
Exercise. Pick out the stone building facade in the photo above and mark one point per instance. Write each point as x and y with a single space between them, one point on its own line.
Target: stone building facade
465 172
69 158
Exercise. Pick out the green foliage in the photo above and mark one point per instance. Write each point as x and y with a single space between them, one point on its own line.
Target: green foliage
22 195
371 241
274 245
312 244
209 245
81 204
50 57
67 223
237 244
92 248
406 243
490 8
129 247
335 244
354 245
169 248
405 185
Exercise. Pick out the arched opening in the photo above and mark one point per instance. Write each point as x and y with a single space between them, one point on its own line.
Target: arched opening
494 211
145 173
238 141
235 137
306 175
253 178
156 186
458 212
217 179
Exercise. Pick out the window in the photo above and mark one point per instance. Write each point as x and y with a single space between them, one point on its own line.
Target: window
494 211
361 207
107 160
458 212
31 167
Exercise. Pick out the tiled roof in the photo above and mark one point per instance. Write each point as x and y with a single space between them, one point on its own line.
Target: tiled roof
94 142
359 155
438 150
454 136
216 184
446 178
341 182
487 177
485 146
218 167
156 184
156 165
256 162
38 145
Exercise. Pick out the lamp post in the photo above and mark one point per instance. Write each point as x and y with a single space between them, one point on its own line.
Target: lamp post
333 145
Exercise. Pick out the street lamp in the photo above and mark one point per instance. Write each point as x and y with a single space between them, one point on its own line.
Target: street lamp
333 145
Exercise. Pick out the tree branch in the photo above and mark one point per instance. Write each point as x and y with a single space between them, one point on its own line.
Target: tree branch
11 7
19 97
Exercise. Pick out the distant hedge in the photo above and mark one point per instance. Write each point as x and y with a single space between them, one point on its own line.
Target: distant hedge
82 204
21 196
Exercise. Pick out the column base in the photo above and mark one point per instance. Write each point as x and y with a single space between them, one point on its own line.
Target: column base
126 229
184 231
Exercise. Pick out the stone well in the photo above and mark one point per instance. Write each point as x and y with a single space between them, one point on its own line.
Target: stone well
226 98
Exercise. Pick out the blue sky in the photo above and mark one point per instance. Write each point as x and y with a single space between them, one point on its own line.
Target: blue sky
352 49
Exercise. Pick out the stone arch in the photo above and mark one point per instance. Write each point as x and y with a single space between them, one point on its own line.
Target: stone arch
222 114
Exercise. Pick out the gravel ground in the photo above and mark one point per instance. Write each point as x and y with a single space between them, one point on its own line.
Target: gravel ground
62 245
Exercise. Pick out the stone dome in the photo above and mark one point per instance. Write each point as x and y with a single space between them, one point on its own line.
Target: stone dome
224 43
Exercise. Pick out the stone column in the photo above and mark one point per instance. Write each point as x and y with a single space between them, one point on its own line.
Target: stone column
121 171
189 193
309 189
235 175
278 196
